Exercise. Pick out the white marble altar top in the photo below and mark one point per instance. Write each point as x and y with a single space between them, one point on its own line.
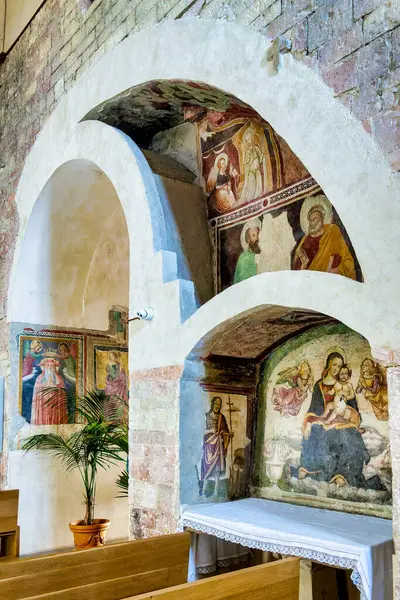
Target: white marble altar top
357 542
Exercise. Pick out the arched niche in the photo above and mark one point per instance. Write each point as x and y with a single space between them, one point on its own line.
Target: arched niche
268 370
72 273
265 210
74 259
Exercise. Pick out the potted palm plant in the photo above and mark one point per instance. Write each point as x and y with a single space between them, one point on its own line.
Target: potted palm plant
100 443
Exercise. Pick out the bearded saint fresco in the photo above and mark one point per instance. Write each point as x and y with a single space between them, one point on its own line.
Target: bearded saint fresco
248 260
216 440
323 247
47 364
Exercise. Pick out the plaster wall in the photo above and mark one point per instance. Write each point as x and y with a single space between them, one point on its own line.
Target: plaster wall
180 143
186 222
50 499
83 232
107 282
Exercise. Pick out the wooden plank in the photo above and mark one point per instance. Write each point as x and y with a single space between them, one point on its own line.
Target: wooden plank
10 544
59 579
117 589
143 554
8 510
277 580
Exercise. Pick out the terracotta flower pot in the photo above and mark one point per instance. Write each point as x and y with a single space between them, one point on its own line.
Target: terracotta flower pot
89 536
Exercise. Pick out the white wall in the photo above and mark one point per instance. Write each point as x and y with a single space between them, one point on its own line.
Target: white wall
75 237
107 282
49 499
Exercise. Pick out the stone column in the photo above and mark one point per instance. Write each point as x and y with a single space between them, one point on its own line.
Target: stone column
391 360
154 451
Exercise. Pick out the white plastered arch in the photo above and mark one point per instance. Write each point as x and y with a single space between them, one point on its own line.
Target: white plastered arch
332 145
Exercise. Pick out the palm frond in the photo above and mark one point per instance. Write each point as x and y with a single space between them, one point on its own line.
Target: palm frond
101 442
65 450
122 482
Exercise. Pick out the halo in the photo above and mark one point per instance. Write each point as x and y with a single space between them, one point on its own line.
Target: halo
252 223
308 203
221 155
337 349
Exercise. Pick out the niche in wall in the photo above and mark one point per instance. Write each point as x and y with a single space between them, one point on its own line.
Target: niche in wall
286 405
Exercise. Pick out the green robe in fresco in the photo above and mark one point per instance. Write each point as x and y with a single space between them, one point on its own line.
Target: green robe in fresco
246 266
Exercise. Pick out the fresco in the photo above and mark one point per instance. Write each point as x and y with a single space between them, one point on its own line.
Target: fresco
107 370
222 469
266 212
323 431
49 361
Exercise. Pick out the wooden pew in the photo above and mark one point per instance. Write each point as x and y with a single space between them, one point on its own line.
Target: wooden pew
9 530
109 573
279 580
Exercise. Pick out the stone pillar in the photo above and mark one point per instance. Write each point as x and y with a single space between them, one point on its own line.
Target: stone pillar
391 360
154 451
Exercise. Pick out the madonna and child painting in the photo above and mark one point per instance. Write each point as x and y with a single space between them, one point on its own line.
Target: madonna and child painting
325 432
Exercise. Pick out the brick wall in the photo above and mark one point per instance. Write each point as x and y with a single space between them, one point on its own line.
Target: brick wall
354 44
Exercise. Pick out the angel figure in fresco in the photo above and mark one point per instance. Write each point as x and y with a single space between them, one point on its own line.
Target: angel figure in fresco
216 440
296 382
373 383
219 183
323 247
253 160
49 409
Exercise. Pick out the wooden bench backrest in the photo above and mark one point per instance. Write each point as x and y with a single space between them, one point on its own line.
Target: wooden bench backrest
279 580
8 510
110 573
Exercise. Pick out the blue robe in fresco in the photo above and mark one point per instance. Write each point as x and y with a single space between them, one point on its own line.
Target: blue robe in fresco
338 451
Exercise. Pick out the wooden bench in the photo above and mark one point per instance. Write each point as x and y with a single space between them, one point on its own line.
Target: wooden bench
279 580
113 572
9 530
144 569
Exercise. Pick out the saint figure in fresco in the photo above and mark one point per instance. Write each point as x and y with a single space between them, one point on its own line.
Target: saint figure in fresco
294 385
253 165
248 260
216 440
67 364
335 451
219 183
323 248
30 372
116 382
372 382
49 408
